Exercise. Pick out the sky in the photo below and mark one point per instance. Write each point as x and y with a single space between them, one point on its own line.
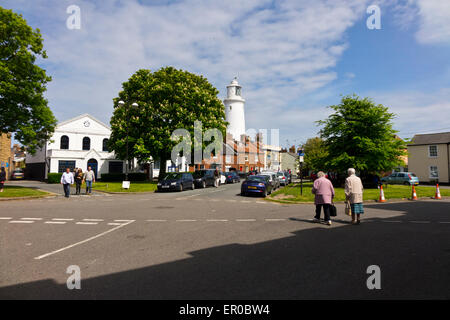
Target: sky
293 58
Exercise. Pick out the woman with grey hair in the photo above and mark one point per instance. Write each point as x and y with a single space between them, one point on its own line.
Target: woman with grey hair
324 194
354 194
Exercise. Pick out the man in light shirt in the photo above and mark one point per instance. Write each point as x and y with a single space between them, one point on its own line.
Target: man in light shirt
89 178
66 181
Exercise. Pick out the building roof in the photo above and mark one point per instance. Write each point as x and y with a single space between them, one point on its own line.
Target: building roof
430 138
82 116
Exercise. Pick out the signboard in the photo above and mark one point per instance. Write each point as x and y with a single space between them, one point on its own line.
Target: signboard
126 184
301 159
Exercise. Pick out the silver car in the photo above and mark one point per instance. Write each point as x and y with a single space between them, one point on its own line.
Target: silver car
273 178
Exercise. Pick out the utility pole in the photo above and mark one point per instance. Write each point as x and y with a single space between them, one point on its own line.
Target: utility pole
301 155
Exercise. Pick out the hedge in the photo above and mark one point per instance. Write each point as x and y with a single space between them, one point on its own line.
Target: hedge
54 177
115 177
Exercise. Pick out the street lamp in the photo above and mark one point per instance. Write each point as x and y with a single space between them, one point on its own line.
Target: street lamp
135 106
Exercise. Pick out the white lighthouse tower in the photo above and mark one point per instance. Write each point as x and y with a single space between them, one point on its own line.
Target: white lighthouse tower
234 110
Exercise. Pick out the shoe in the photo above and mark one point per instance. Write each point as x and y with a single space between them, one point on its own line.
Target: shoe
358 222
315 220
353 222
328 223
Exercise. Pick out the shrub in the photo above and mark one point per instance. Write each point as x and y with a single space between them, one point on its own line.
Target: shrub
53 177
117 177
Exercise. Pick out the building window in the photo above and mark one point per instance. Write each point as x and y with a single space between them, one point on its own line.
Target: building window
86 143
434 174
64 143
64 164
105 145
228 158
432 151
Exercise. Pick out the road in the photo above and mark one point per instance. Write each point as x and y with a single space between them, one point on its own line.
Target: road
214 244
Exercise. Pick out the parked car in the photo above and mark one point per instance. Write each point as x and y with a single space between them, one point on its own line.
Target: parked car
288 176
177 181
232 177
257 184
17 174
283 178
204 178
272 178
223 178
406 178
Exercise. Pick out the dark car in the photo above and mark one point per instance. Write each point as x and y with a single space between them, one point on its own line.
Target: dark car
232 177
256 185
204 178
176 181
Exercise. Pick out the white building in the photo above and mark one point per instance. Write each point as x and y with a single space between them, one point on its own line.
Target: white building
77 143
234 110
272 159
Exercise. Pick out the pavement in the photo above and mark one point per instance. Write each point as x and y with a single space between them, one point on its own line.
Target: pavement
215 244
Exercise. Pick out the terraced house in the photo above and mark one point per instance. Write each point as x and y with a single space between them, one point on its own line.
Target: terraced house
429 157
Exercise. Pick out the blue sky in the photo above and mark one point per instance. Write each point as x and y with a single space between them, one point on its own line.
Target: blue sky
293 58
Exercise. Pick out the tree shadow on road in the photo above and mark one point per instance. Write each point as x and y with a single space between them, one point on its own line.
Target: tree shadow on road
314 263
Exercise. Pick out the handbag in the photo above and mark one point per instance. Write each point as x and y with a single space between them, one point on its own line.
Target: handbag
333 210
348 208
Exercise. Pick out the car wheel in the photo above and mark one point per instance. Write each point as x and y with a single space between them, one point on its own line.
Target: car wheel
204 184
181 187
243 193
193 186
265 193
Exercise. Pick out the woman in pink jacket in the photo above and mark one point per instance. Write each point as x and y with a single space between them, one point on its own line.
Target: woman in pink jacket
324 191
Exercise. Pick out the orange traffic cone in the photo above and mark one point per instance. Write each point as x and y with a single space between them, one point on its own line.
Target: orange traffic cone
381 198
414 194
438 193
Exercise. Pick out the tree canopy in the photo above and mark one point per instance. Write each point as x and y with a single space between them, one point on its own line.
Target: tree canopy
359 134
167 99
23 108
315 154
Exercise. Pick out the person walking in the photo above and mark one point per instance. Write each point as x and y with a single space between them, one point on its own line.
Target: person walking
2 178
78 180
66 181
324 194
354 194
216 177
89 178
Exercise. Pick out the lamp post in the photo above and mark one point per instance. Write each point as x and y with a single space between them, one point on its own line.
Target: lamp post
135 106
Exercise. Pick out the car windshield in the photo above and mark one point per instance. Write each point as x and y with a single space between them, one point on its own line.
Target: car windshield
172 176
199 174
280 174
18 170
256 178
413 175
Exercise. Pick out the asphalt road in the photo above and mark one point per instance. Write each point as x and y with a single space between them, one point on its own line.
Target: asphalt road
214 244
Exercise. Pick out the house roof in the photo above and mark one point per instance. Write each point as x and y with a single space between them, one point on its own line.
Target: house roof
82 116
430 138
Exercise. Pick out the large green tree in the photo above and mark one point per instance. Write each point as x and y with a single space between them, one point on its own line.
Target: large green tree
23 108
168 99
315 154
359 134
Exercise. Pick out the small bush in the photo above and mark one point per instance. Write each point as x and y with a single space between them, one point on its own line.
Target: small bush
54 177
117 177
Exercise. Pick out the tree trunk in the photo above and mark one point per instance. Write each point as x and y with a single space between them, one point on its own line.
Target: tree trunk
162 166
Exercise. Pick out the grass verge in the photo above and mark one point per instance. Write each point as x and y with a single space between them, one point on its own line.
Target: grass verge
291 193
17 192
138 186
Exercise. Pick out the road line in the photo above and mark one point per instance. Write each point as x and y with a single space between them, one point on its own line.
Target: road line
55 222
86 223
123 220
186 220
243 220
35 219
217 220
391 221
62 219
275 219
245 201
420 221
444 222
5 218
83 241
98 220
156 220
22 221
114 224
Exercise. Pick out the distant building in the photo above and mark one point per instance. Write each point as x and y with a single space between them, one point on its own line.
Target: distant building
234 110
429 157
289 161
77 143
272 159
5 153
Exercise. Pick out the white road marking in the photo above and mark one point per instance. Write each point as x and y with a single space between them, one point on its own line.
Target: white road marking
420 221
114 224
230 200
245 201
275 219
93 220
55 222
86 223
83 241
62 219
22 221
156 220
391 221
444 222
245 220
123 220
36 219
217 220
186 220
5 218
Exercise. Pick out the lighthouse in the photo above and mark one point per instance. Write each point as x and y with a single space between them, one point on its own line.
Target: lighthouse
234 110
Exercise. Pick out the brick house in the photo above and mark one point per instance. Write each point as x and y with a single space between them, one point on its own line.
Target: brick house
5 153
